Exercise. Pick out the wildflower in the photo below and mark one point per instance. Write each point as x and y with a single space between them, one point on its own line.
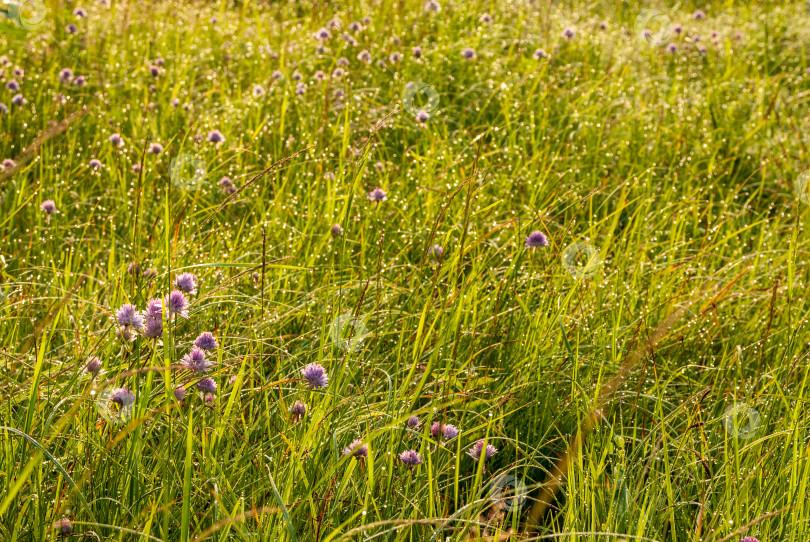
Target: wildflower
468 53
258 91
195 361
49 206
478 448
394 57
677 29
186 282
187 106
18 99
336 230
749 539
63 526
79 81
296 76
395 41
536 239
71 28
155 148
177 304
150 273
213 20
206 341
433 6
128 315
179 393
449 432
702 49
323 34
125 333
210 397
334 23
315 376
300 89
153 319
417 52
422 116
4 109
377 195
411 458
174 102
364 56
96 164
207 385
437 252
215 136
298 410
116 140
136 168
80 13
699 15
154 71
337 73
413 422
366 20
672 48
357 449
122 396
568 34
93 366
277 75
343 61
13 85
485 18
355 26
603 25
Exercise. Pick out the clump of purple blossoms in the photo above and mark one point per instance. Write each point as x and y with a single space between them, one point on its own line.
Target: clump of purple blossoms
150 273
71 28
63 526
153 319
478 448
79 81
215 136
568 34
422 116
417 52
448 432
65 75
699 15
13 85
93 366
195 361
80 13
176 304
116 140
207 385
96 164
413 422
377 195
49 206
468 53
133 268
18 99
155 148
539 54
336 230
411 458
672 48
536 239
323 34
186 282
298 410
179 393
749 539
206 341
128 315
315 375
122 397
357 449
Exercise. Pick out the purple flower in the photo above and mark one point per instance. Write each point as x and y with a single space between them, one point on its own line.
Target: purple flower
150 273
116 140
377 195
206 341
413 422
215 136
154 71
337 73
225 181
71 28
153 319
323 34
4 109
174 102
677 29
468 53
96 164
18 99
207 385
355 26
133 268
93 366
79 81
749 539
699 15
394 57
478 448
186 282
449 432
568 34
672 48
603 25
128 315
49 206
422 116
315 376
433 6
539 53
536 239
155 148
13 86
179 393
417 52
357 449
8 163
177 304
258 90
336 230
122 396
80 13
411 458
63 526
298 410
364 56
300 89
195 361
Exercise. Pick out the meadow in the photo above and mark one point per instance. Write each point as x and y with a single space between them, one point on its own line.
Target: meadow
413 270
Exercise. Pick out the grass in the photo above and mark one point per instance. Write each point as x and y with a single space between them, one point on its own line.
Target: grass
650 387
